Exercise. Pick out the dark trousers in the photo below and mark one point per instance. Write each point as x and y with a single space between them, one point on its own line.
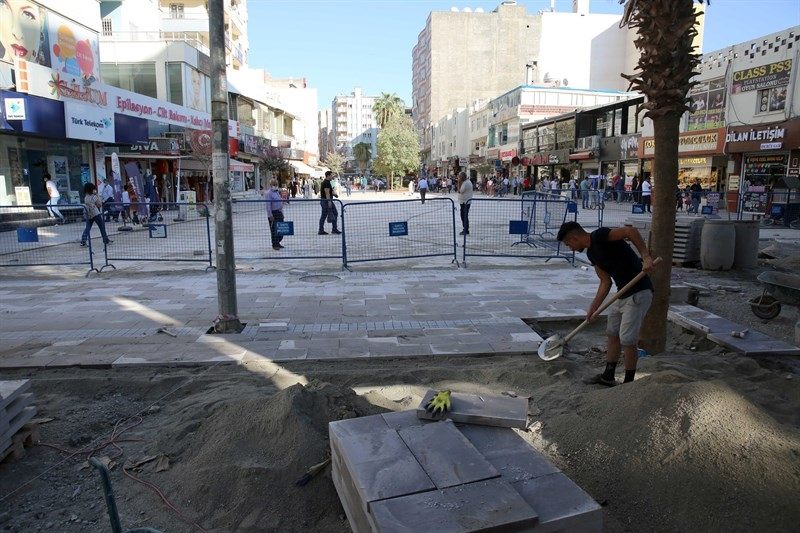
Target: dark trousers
277 216
422 193
327 207
100 224
585 199
646 202
465 217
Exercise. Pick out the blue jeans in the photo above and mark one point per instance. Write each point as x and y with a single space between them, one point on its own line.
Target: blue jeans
100 224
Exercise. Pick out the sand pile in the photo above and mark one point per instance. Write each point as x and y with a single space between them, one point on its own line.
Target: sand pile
689 453
237 469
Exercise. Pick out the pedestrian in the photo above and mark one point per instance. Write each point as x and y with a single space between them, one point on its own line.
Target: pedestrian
614 260
274 213
348 187
54 196
107 196
555 187
363 184
292 187
573 188
504 185
411 186
94 206
422 185
646 192
465 189
329 212
126 202
697 193
585 193
619 188
635 190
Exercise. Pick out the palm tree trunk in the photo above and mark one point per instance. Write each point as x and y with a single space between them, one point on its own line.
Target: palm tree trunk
653 336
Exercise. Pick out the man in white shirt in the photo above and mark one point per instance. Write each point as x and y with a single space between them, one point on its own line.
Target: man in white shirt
646 193
107 195
555 187
423 188
52 192
464 199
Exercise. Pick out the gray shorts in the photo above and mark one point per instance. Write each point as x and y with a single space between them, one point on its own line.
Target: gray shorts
626 315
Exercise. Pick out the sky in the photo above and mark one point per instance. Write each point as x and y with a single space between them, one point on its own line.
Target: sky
341 44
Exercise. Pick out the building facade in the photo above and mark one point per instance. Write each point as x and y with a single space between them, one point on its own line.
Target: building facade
354 122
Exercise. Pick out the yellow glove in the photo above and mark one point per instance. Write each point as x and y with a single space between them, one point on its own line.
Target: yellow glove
440 402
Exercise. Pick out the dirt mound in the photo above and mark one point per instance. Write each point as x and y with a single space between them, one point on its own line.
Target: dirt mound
692 451
242 460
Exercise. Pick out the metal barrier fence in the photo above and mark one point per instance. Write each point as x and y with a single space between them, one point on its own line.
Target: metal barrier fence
150 232
398 229
524 227
297 235
38 235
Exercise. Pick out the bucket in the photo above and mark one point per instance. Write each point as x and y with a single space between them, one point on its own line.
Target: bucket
717 245
746 253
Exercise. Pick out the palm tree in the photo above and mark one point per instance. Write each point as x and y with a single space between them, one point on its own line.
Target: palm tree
363 153
666 31
387 106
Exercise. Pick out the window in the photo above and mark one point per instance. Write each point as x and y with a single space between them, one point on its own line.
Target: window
770 100
176 11
137 77
174 83
565 134
546 139
107 30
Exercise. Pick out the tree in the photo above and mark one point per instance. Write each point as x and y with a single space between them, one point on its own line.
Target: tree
335 162
363 153
386 107
666 31
274 162
398 148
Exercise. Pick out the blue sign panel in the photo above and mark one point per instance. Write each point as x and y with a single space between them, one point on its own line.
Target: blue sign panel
158 231
130 130
637 209
517 227
284 228
707 210
44 116
572 207
27 235
398 229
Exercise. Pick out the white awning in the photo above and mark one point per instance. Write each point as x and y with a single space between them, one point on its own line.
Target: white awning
302 168
238 166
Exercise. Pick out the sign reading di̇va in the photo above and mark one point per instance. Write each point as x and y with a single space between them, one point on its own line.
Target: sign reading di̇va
763 77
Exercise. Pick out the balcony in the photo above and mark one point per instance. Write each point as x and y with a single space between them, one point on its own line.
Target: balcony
197 40
183 24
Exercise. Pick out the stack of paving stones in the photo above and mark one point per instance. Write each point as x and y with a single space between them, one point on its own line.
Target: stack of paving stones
399 472
686 245
16 409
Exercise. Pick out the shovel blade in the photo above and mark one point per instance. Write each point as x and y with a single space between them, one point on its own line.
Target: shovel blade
551 348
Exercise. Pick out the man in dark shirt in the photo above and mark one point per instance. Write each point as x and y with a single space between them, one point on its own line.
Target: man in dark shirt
328 207
614 260
697 194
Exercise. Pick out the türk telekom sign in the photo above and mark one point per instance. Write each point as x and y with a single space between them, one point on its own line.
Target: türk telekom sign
56 85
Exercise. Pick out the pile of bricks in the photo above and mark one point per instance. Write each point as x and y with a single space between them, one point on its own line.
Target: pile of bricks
400 472
16 409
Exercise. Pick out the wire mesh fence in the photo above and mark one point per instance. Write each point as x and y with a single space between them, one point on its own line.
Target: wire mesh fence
35 235
297 235
151 232
399 229
525 227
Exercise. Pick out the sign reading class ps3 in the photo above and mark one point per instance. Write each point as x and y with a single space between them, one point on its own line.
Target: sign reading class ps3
775 74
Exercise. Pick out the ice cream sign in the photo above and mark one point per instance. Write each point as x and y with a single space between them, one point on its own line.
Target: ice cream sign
75 56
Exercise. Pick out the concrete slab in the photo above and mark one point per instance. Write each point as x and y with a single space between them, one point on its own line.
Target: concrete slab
404 419
11 389
446 455
500 411
491 505
561 504
754 344
17 421
348 495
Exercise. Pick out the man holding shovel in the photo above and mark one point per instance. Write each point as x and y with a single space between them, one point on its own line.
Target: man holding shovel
614 259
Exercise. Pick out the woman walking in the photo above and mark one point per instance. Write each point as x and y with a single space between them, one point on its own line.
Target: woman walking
94 207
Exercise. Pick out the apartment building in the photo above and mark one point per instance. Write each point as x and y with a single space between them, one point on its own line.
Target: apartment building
327 139
354 122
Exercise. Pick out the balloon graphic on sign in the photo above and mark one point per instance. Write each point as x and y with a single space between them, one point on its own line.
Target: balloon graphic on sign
64 48
85 57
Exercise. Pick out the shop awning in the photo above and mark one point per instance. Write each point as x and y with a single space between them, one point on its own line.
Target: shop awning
580 156
238 166
302 168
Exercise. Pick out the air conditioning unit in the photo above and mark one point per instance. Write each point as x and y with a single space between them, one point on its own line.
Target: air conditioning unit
178 136
589 143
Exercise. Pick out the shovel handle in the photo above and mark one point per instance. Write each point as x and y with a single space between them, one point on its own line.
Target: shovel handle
611 300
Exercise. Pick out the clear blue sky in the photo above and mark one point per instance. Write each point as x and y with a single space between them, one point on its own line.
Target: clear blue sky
341 44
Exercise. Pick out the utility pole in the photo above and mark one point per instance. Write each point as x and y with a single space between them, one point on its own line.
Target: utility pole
228 319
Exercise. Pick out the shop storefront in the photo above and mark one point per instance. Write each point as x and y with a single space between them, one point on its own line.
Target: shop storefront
701 156
549 164
620 156
158 160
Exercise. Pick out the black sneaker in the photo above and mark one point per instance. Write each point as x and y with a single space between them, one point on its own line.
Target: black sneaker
322 232
277 247
83 244
281 246
600 380
109 241
336 232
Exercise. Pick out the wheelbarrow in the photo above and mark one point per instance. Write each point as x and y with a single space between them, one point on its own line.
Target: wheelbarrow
779 288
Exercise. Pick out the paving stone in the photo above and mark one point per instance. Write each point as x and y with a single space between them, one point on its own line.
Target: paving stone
446 455
348 495
404 419
561 504
753 344
501 411
491 505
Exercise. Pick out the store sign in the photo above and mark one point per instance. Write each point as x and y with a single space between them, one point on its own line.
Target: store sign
546 159
88 122
762 77
56 85
688 143
506 155
157 146
629 147
773 136
255 145
685 162
15 109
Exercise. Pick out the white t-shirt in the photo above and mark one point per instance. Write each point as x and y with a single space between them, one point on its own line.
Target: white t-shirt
126 198
554 185
52 190
423 184
465 192
107 192
646 188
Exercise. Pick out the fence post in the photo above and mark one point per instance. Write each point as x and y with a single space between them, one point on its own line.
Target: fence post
344 237
455 243
208 239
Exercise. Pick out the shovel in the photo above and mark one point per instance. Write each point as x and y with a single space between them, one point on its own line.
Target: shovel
553 346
